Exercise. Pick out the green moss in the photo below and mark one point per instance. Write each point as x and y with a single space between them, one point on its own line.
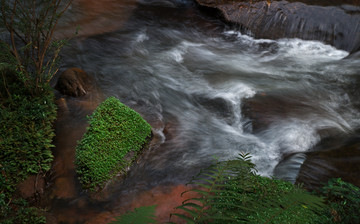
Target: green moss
111 143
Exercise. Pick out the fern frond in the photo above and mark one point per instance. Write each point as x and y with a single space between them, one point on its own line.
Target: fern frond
212 183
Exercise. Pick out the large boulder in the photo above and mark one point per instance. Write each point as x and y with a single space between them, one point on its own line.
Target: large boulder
333 22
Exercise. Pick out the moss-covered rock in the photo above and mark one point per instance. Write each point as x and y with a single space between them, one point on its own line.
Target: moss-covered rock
111 143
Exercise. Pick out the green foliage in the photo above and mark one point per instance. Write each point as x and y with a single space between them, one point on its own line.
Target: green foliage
111 143
31 25
26 135
28 58
344 200
140 215
231 192
19 212
25 141
277 201
7 60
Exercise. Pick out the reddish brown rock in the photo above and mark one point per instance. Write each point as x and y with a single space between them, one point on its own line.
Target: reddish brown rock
91 17
31 187
74 82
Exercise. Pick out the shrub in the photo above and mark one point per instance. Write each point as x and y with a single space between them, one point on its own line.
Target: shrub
25 140
111 143
26 134
344 200
19 212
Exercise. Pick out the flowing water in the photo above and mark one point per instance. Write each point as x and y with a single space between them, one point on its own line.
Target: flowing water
209 90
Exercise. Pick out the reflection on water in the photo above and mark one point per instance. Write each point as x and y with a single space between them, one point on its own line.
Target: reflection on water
208 90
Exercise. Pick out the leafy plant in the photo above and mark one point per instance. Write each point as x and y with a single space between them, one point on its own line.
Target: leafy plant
344 200
140 215
28 58
19 212
26 135
31 25
231 192
111 143
25 141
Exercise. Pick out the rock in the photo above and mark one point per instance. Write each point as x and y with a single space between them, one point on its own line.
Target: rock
74 82
94 17
326 21
354 55
32 186
62 106
217 106
264 109
332 158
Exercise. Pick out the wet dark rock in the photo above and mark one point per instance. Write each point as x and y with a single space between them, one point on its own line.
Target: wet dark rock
331 158
74 82
264 109
354 55
326 21
217 106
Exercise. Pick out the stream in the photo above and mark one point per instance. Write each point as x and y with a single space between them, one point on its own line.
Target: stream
209 91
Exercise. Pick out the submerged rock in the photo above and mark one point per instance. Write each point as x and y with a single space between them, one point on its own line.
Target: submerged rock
326 21
77 97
